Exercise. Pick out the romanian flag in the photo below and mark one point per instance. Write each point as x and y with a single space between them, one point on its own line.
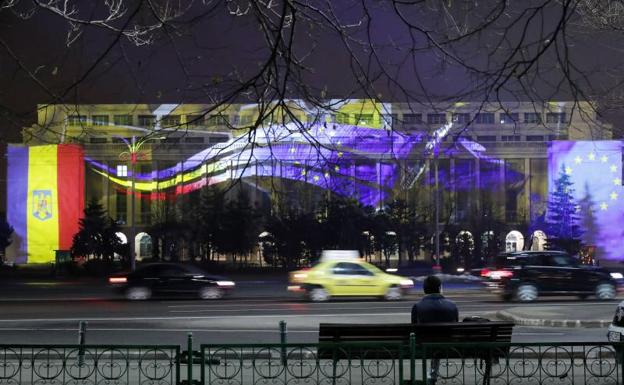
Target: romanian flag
45 199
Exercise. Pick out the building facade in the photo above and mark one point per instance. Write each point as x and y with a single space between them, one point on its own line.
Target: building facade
477 158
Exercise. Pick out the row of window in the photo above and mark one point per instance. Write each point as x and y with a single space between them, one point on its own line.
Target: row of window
342 118
173 140
514 138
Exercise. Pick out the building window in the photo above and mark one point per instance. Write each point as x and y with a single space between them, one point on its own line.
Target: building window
244 119
364 119
123 120
412 118
97 140
556 117
486 138
535 138
171 140
100 120
388 120
509 117
218 139
122 170
170 121
436 118
557 137
461 118
121 206
342 118
194 139
484 118
194 120
532 117
510 138
218 120
76 120
147 120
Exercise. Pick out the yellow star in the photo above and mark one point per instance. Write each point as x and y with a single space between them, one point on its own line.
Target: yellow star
303 172
617 181
568 170
613 195
340 154
578 160
326 175
613 168
336 168
339 144
604 206
316 178
604 159
292 149
591 156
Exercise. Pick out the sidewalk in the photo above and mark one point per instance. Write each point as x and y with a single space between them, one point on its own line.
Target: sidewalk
577 315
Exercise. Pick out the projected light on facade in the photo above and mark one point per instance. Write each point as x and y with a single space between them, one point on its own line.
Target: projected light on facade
341 158
595 169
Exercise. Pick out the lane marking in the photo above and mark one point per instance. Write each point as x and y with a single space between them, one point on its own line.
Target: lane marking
195 317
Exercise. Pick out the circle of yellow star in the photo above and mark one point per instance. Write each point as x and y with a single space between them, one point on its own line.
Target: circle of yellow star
604 206
617 181
613 168
613 195
578 160
568 170
591 156
604 159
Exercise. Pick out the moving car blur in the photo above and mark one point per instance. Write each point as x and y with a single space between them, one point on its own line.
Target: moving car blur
412 270
526 275
341 273
170 279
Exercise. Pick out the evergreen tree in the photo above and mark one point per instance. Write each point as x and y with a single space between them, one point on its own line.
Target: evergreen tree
562 219
209 217
97 236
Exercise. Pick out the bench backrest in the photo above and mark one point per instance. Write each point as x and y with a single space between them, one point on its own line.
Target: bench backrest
455 332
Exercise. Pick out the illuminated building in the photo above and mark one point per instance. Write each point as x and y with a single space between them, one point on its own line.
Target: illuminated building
490 159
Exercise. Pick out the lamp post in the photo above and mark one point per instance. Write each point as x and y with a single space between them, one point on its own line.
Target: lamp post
132 155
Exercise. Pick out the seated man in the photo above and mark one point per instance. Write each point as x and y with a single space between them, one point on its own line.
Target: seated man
432 308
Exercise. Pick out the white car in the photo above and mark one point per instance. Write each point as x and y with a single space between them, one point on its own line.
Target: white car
616 329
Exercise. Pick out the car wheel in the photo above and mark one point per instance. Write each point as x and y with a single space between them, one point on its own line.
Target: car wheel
318 294
393 294
210 292
605 291
526 293
138 293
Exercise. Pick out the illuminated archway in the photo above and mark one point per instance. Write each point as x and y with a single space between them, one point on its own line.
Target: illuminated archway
538 240
514 241
143 246
122 237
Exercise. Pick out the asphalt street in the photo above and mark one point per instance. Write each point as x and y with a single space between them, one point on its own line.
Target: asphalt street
50 313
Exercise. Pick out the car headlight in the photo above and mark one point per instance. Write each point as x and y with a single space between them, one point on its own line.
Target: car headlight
391 270
300 275
225 283
407 282
616 275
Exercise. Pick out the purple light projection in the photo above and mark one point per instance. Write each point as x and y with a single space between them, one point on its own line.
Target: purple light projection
341 158
595 168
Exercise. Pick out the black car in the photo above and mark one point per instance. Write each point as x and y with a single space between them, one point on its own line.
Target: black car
525 275
170 279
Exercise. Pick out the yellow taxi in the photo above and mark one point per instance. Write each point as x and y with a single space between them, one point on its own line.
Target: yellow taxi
343 273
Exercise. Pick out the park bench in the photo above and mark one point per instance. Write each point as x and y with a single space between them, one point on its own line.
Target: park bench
391 341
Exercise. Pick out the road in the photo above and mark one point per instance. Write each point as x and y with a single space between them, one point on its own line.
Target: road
50 314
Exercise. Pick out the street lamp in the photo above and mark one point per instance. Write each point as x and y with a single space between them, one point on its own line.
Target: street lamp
132 155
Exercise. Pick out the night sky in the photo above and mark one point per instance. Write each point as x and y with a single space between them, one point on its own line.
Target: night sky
200 55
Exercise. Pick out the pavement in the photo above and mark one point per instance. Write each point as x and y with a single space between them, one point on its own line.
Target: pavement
573 315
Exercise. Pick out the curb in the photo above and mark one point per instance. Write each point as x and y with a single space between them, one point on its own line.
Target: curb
507 316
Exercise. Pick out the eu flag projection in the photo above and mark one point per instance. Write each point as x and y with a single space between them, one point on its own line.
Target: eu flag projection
45 199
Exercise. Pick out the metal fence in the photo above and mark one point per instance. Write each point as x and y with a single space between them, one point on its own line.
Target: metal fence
87 364
314 364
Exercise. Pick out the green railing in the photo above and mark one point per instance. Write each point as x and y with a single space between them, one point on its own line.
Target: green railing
89 364
314 364
385 364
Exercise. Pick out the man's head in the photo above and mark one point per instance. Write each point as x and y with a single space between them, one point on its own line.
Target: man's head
432 285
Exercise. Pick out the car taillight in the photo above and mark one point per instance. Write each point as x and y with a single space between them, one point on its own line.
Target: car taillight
485 272
498 274
117 280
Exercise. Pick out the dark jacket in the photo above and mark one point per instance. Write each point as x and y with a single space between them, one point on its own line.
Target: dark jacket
434 308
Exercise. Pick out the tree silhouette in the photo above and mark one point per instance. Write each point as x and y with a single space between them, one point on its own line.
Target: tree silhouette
97 235
6 230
